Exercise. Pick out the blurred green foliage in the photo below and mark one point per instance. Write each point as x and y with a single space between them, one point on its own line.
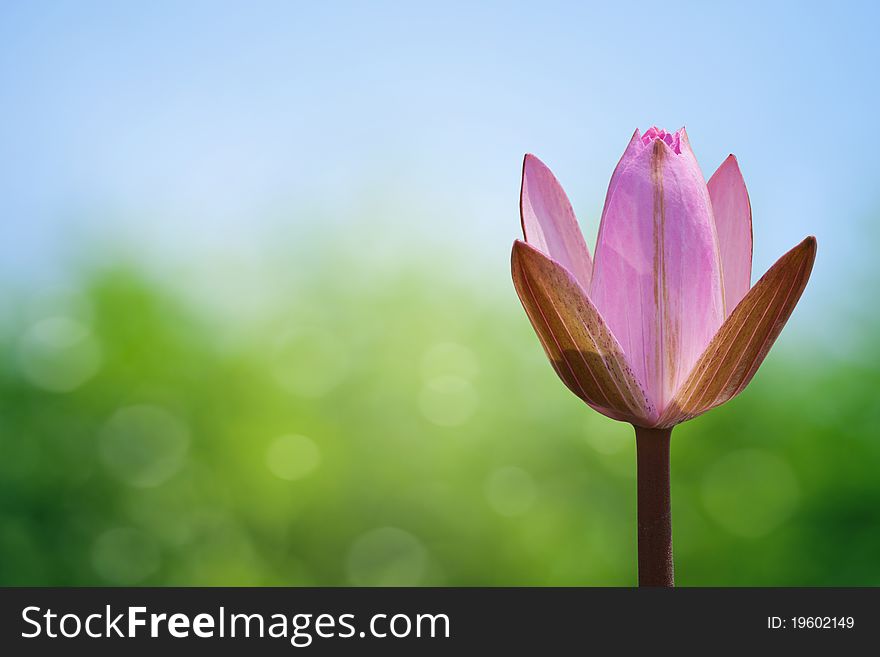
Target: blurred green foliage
403 431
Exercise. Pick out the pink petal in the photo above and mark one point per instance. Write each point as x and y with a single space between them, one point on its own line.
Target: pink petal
575 338
549 223
657 274
733 222
735 353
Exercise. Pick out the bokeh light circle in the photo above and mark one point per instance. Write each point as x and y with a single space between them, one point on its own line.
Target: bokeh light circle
59 354
448 401
143 445
292 457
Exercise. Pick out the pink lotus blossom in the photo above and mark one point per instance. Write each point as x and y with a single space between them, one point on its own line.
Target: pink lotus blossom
663 324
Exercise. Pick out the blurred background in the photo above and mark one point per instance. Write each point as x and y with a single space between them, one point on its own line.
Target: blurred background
256 319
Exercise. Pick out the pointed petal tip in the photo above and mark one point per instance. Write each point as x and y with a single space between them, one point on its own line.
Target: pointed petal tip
532 161
520 253
811 245
731 165
684 140
522 250
730 162
661 149
807 246
515 249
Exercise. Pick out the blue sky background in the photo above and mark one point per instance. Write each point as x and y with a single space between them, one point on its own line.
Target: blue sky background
193 134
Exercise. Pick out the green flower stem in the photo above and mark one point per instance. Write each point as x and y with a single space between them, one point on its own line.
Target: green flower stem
655 513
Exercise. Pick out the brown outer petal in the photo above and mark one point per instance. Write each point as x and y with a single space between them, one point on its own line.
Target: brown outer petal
734 354
583 351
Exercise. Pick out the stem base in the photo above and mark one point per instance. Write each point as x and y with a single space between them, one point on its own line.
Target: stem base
654 508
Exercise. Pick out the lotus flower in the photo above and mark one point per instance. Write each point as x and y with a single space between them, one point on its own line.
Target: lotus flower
663 325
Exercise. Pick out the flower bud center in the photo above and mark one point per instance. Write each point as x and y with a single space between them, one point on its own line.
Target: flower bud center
672 139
